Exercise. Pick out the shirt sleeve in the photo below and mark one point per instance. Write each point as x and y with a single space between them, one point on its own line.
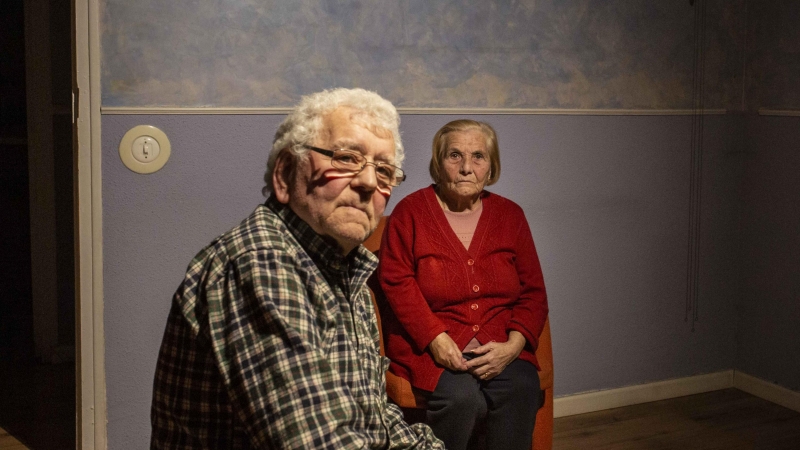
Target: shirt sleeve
269 349
403 436
530 310
397 271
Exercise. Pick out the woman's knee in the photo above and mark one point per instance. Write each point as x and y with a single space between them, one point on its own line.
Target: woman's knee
523 377
470 401
467 403
460 396
519 384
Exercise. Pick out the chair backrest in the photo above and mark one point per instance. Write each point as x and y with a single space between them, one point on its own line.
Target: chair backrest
373 244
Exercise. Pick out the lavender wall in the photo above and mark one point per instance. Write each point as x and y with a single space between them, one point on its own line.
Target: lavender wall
768 327
606 197
768 335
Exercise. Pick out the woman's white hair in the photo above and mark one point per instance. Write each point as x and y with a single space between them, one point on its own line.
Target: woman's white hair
304 124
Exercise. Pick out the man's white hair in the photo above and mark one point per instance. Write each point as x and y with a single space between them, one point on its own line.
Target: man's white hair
304 124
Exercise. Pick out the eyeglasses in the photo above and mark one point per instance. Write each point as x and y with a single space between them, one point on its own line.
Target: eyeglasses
354 162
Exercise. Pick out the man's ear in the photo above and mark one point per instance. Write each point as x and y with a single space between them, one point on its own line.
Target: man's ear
283 175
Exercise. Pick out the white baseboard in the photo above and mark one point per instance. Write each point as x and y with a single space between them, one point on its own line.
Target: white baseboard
766 390
643 393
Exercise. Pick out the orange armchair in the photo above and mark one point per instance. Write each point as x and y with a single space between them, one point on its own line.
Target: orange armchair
399 389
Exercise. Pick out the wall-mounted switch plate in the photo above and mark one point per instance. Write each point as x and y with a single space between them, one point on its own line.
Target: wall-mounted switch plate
144 149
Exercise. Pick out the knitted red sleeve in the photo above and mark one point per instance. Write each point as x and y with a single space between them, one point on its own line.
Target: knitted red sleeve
398 280
530 311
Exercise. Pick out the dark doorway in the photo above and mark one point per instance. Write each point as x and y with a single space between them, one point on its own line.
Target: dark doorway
38 402
16 313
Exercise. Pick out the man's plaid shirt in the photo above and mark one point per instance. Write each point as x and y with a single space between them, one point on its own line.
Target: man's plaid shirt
272 342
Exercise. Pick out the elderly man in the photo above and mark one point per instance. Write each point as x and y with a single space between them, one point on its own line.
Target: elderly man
271 341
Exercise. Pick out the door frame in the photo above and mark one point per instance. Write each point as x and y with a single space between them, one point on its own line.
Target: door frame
89 340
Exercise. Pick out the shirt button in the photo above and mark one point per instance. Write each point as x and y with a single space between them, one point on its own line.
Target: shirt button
475 288
476 328
473 306
470 262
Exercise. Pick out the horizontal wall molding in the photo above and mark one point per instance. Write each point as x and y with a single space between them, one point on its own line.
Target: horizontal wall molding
779 112
122 110
766 390
643 393
563 112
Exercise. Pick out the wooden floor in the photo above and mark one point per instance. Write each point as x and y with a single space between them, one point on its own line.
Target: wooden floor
8 442
727 420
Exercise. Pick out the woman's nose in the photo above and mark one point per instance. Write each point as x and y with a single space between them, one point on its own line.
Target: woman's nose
466 164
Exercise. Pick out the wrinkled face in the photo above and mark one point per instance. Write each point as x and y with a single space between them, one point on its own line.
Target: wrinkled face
342 206
466 165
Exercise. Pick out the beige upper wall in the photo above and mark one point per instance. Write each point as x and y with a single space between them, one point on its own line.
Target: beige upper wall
439 54
773 50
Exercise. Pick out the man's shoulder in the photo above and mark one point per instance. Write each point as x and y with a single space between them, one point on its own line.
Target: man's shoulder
262 231
261 239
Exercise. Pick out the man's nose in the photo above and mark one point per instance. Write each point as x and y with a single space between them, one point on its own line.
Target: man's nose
367 177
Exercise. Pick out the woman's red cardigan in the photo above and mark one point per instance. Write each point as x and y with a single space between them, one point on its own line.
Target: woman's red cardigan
433 284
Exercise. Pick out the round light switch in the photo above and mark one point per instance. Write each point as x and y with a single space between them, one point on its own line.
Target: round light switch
144 149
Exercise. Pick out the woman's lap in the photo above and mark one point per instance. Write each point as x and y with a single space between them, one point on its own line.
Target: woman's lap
506 405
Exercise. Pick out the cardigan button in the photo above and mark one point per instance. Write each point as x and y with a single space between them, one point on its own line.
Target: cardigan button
470 262
476 328
475 288
473 306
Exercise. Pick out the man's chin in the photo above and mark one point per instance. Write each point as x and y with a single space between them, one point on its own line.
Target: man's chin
352 234
353 218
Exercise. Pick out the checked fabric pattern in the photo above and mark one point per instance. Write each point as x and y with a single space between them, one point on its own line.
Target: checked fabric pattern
272 342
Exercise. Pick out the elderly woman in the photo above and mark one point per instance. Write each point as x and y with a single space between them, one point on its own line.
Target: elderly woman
461 274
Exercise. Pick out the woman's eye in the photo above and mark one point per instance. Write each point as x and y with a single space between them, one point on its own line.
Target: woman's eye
479 156
454 155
